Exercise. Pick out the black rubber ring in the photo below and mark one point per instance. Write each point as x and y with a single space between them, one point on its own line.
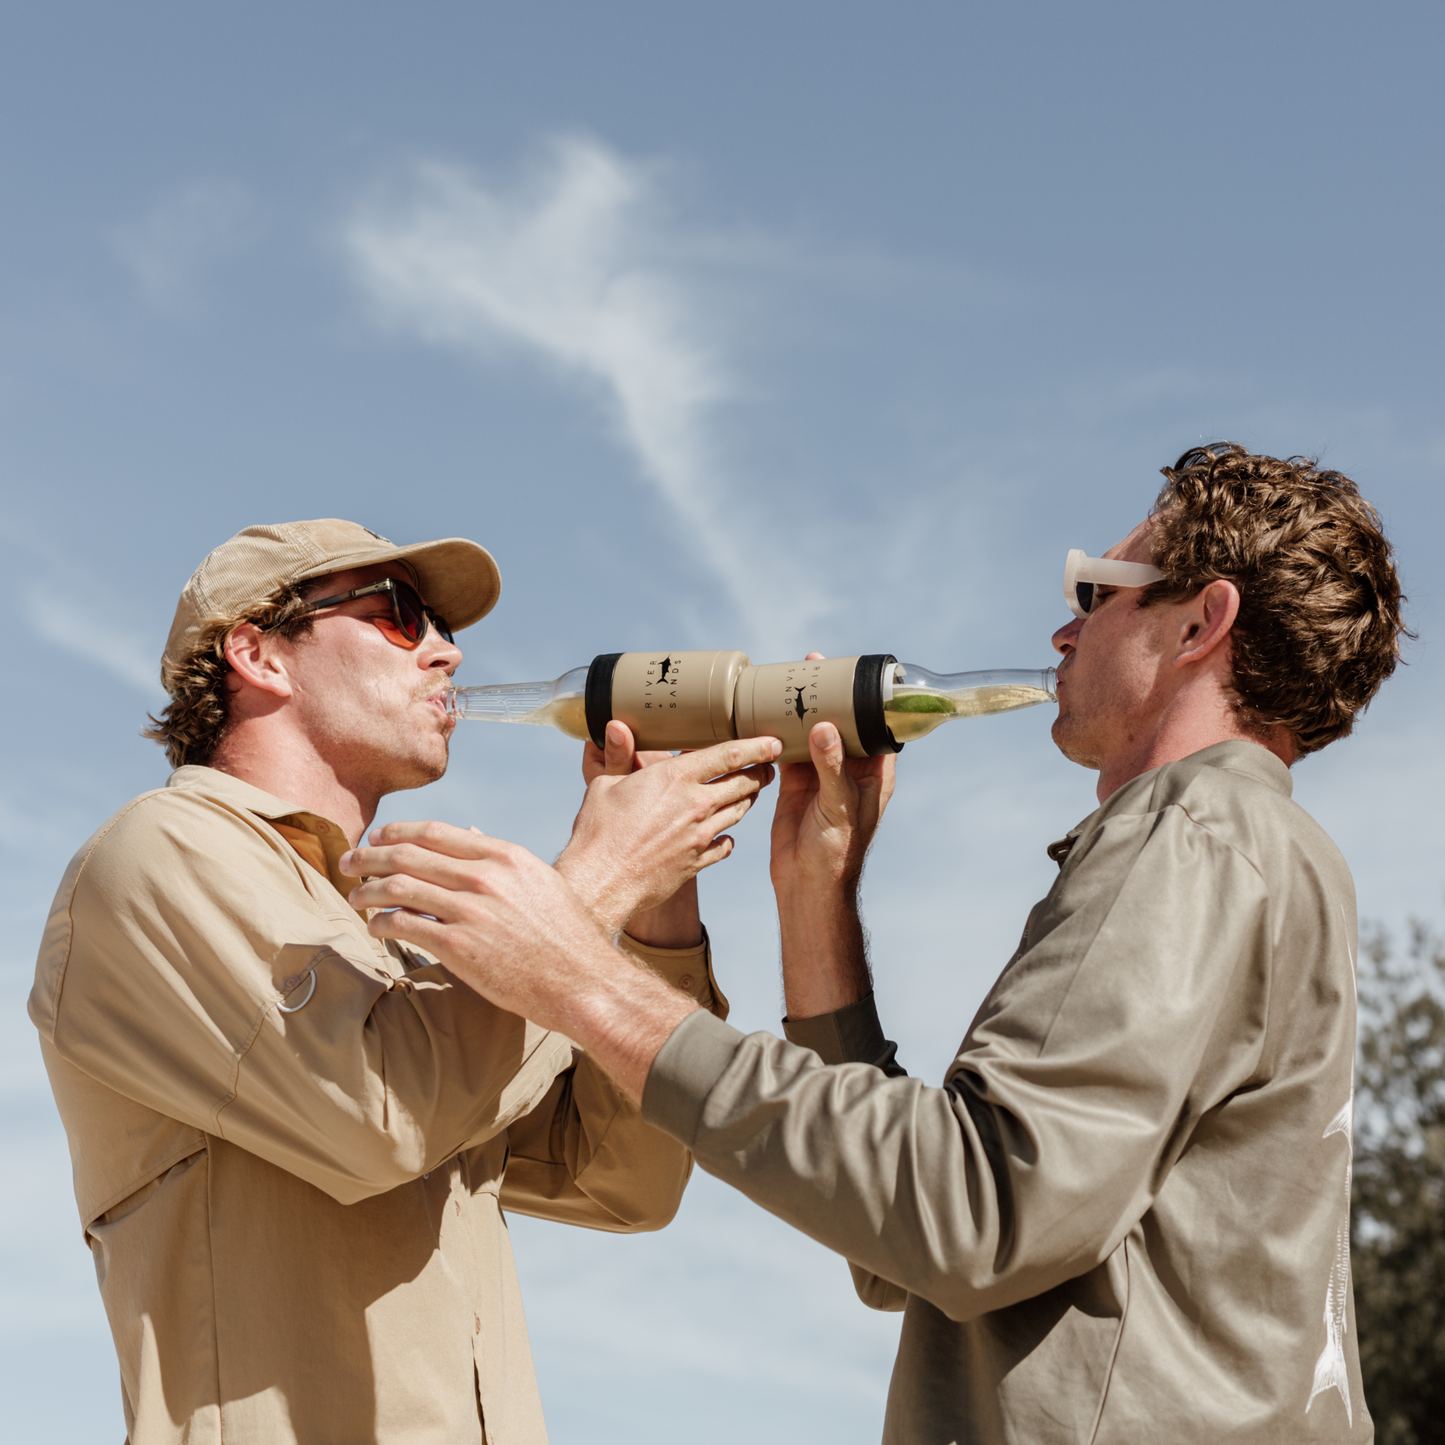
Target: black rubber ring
598 697
873 730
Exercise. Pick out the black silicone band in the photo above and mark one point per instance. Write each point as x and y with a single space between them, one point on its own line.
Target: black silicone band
873 730
598 697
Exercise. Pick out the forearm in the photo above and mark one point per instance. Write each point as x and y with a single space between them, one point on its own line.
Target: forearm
623 1021
825 957
892 1175
969 1203
826 816
620 1013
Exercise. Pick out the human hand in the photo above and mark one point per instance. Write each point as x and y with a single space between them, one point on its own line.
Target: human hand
677 922
644 832
512 928
828 811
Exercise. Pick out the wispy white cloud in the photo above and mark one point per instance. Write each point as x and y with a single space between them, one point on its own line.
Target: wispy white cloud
579 266
88 635
167 248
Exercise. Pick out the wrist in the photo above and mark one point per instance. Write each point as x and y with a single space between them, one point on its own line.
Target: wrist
674 924
828 886
602 899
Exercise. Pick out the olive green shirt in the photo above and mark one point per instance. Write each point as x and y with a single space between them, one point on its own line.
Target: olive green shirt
1124 1217
293 1143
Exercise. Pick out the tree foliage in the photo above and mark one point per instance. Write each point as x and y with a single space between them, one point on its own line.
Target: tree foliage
1398 1228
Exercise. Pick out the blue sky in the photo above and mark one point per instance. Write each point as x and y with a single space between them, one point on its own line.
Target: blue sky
747 326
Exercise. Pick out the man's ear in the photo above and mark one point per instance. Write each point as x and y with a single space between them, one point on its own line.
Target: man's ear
1207 622
255 660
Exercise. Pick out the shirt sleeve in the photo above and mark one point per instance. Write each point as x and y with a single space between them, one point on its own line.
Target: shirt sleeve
851 1035
854 1035
585 1155
1133 1006
187 967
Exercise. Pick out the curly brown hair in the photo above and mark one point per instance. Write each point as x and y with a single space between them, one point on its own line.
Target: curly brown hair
192 724
1320 621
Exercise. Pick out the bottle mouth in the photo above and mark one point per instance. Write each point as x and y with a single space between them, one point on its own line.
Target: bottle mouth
893 673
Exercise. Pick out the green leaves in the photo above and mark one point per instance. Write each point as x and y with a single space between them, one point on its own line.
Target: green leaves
1398 1223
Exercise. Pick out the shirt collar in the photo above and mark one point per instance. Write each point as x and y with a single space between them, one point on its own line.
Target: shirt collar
330 841
1253 759
1236 755
232 790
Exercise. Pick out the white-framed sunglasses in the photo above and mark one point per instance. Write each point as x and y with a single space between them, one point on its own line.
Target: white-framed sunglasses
1082 574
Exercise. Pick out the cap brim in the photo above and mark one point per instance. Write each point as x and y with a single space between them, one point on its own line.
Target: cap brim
458 579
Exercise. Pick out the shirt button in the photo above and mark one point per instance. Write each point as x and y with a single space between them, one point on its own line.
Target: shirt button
322 827
685 982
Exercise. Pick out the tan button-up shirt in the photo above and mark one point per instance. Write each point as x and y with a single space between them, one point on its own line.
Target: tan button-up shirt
292 1143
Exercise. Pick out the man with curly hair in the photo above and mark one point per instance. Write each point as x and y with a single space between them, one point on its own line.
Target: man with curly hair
292 1141
1124 1216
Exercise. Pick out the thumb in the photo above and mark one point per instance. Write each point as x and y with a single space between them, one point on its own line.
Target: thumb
620 750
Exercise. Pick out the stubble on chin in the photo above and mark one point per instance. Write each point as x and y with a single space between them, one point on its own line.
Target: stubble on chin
439 765
402 775
430 765
1071 744
430 761
401 768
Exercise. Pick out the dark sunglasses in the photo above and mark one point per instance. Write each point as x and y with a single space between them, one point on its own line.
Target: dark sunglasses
409 614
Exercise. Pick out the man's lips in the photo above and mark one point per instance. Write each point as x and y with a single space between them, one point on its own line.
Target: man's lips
438 700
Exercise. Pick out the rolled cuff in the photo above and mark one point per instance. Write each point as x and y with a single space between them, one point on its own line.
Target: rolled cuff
686 1070
686 969
850 1035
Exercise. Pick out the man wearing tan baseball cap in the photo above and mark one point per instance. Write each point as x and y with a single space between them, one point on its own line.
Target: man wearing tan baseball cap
293 1143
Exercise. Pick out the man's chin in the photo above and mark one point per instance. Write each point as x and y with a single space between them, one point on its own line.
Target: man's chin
417 772
1071 745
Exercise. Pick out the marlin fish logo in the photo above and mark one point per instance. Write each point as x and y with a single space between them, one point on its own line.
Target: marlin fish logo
665 664
798 703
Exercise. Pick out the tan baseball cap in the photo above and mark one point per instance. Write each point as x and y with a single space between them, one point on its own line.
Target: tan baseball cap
458 579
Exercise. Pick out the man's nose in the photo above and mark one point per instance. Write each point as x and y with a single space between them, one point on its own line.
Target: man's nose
1067 636
443 654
